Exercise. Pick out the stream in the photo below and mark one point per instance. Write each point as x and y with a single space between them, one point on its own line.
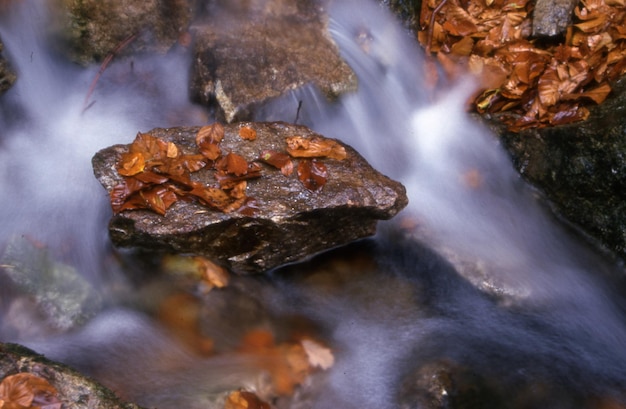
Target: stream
474 296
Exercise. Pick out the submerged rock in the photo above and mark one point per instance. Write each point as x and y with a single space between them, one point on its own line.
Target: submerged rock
287 221
91 29
249 53
74 391
50 296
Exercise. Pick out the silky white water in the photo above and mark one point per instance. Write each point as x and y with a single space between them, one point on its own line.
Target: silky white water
528 300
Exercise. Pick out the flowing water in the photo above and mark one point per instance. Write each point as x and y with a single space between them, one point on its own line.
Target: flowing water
475 278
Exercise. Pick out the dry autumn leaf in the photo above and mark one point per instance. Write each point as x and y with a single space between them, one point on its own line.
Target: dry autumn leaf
25 390
247 133
244 400
300 147
317 354
312 174
279 160
213 133
528 82
233 163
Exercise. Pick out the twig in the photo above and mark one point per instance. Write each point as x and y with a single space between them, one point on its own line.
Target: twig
105 63
298 112
431 26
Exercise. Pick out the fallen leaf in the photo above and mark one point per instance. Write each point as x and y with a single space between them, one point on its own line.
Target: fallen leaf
209 150
131 163
172 150
213 275
244 400
247 133
312 174
25 390
233 164
279 160
300 147
212 134
317 354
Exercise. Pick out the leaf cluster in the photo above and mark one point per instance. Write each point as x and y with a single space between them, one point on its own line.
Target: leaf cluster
156 173
527 82
27 391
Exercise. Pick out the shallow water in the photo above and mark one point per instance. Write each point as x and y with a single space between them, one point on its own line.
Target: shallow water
475 277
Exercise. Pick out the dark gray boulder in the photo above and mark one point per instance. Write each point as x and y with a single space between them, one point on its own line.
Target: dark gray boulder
289 222
91 29
251 53
581 167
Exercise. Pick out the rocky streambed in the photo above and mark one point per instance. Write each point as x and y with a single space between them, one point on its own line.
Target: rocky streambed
369 323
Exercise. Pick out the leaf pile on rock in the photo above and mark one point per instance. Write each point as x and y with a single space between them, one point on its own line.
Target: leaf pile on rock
529 81
249 195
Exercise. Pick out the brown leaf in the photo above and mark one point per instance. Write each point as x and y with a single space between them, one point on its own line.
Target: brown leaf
300 147
122 191
152 148
25 390
172 150
213 197
213 133
158 199
131 163
312 174
213 275
233 163
209 150
279 160
247 133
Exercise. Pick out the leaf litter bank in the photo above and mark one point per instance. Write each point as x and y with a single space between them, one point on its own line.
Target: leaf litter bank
526 81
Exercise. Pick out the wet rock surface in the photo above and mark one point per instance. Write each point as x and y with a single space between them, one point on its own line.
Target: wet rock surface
91 29
552 17
7 75
291 222
74 390
247 54
581 168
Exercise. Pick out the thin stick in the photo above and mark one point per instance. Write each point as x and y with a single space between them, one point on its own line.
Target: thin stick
431 26
105 63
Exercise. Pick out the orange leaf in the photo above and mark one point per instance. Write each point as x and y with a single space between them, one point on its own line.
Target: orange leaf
158 199
25 390
172 150
209 150
247 133
131 163
300 147
233 163
120 192
213 133
279 160
212 197
312 174
244 400
152 148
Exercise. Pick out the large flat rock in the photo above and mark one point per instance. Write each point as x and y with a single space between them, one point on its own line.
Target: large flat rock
245 56
287 221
